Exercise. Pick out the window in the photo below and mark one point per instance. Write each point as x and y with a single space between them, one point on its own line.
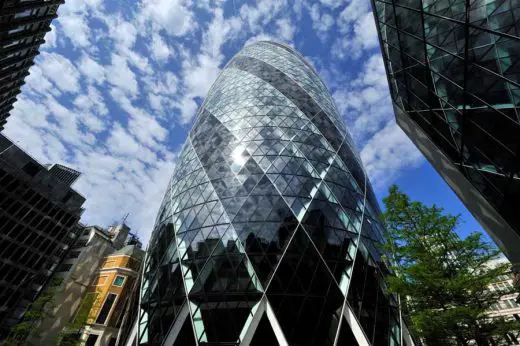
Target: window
12 43
31 169
64 267
18 29
107 307
119 281
23 14
80 243
74 254
91 341
112 342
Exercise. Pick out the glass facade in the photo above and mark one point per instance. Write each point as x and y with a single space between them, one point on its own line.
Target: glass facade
267 233
454 72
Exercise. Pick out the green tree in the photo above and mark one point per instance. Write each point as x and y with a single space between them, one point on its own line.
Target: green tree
39 310
443 280
71 334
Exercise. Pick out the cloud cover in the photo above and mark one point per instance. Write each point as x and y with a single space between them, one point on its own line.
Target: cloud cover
117 85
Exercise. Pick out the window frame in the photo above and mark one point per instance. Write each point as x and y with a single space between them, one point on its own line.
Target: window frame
119 276
107 318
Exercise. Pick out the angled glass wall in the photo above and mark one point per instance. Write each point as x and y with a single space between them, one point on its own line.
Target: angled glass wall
267 232
454 72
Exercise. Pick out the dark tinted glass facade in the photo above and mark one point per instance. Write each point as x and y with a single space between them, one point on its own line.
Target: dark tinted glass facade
454 74
267 232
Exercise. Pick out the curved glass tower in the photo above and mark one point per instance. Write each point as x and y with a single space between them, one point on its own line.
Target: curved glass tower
267 232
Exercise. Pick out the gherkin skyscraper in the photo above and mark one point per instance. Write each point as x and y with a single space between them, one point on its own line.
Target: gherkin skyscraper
267 232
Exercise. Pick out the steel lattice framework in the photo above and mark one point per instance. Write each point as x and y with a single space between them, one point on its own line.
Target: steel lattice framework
267 232
454 72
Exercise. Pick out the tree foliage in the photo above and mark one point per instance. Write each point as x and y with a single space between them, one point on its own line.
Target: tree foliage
39 310
71 334
443 280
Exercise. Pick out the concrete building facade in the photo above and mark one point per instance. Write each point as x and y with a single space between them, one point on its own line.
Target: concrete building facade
23 25
78 271
38 216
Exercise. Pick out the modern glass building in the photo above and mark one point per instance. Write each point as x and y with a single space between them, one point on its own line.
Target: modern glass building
454 74
267 232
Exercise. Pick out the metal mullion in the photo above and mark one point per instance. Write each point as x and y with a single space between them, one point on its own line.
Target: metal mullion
474 147
476 97
457 21
401 54
478 171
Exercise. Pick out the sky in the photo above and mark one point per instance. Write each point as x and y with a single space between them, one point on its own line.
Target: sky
117 84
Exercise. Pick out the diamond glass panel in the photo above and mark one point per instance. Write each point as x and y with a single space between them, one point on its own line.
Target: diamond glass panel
266 207
454 72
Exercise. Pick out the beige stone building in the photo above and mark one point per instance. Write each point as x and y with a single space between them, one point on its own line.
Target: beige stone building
78 270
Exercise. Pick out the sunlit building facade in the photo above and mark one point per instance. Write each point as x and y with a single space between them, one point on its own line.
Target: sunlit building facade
267 232
454 74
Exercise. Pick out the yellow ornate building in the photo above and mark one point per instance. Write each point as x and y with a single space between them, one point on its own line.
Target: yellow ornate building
108 295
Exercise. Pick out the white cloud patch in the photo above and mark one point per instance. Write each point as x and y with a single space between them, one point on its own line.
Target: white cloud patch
387 153
112 85
76 29
60 71
173 16
358 31
285 29
159 48
91 69
321 22
120 75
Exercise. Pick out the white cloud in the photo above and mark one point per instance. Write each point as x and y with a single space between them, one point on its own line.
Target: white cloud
91 69
201 71
354 10
110 103
37 82
141 124
261 14
76 29
360 36
321 22
159 48
285 29
50 38
59 70
332 3
122 32
173 16
365 101
387 153
120 75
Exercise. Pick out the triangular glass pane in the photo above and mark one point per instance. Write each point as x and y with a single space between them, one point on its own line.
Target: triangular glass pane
264 334
307 318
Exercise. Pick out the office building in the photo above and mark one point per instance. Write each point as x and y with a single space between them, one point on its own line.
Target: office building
89 269
267 231
23 25
38 216
507 306
454 75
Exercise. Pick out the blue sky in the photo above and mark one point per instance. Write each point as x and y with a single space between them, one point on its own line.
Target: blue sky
115 88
